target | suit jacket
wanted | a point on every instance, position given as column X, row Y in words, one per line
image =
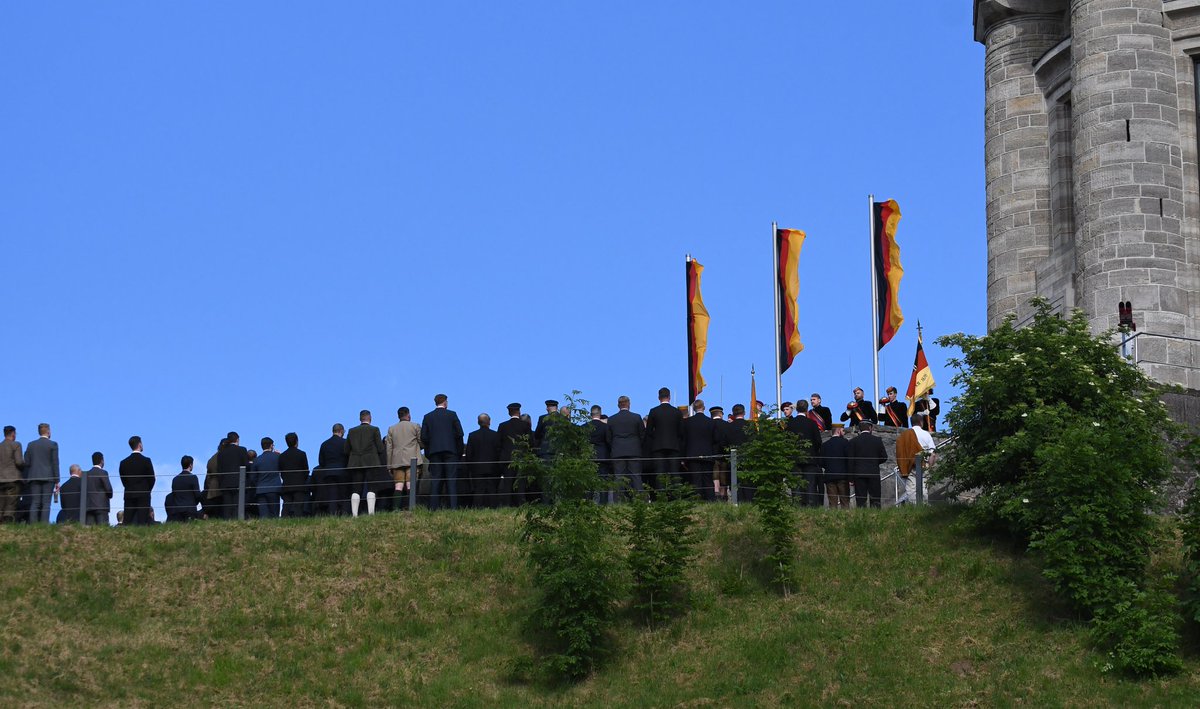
column 266, row 473
column 735, row 433
column 810, row 441
column 403, row 444
column 99, row 491
column 69, row 496
column 540, row 440
column 865, row 411
column 293, row 467
column 230, row 459
column 483, row 452
column 366, row 446
column 186, row 488
column 721, row 435
column 866, row 454
column 699, row 436
column 510, row 432
column 442, row 432
column 898, row 409
column 41, row 461
column 835, row 458
column 598, row 436
column 11, row 461
column 137, row 474
column 664, row 428
column 625, row 434
column 333, row 455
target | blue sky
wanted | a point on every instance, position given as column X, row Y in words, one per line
column 265, row 216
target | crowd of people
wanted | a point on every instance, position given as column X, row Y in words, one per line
column 364, row 470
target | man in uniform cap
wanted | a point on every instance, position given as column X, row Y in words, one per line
column 721, row 446
column 541, row 442
column 511, row 431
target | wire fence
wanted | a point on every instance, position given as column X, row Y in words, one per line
column 250, row 492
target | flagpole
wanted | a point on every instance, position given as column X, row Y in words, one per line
column 687, row 321
column 874, row 299
column 775, row 288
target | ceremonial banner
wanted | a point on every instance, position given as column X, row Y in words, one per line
column 922, row 377
column 888, row 271
column 697, row 329
column 787, row 286
column 753, row 398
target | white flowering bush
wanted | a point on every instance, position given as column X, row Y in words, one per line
column 1069, row 447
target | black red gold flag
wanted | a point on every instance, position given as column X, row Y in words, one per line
column 888, row 271
column 921, row 382
column 788, row 243
column 697, row 329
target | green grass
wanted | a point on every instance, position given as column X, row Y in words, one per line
column 894, row 608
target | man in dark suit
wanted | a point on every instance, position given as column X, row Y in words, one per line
column 820, row 415
column 41, row 474
column 859, row 410
column 721, row 446
column 541, row 439
column 699, row 447
column 99, row 492
column 68, row 495
column 835, row 459
column 293, row 472
column 137, row 476
column 598, row 437
column 812, row 488
column 442, row 439
column 514, row 429
column 866, row 455
column 735, row 437
column 267, row 482
column 625, row 434
column 483, row 468
column 332, row 459
column 893, row 413
column 366, row 452
column 230, row 460
column 664, row 430
column 185, row 492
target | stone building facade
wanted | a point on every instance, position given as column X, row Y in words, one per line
column 1092, row 167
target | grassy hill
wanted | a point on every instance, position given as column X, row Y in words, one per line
column 895, row 609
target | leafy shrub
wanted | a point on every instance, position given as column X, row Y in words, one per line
column 662, row 542
column 1069, row 446
column 767, row 460
column 574, row 556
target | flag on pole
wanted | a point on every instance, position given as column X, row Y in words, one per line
column 888, row 271
column 753, row 397
column 787, row 284
column 922, row 377
column 697, row 329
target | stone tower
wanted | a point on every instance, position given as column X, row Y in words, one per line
column 1093, row 193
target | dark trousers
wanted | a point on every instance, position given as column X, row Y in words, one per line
column 814, row 487
column 39, row 501
column 9, row 492
column 293, row 503
column 627, row 471
column 268, row 505
column 327, row 489
column 137, row 508
column 485, row 490
column 864, row 485
column 443, row 471
column 666, row 462
column 700, row 477
column 97, row 518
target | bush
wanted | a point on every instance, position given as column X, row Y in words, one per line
column 1069, row 446
column 767, row 460
column 662, row 542
column 573, row 554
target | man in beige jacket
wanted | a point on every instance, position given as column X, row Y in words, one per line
column 403, row 443
column 11, row 463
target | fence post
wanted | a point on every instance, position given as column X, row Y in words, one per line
column 919, row 471
column 733, row 483
column 83, row 498
column 241, row 511
column 412, row 485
